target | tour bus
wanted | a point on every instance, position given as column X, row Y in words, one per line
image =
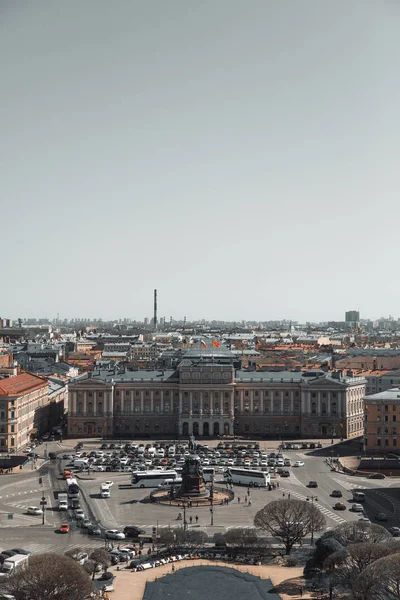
column 208, row 474
column 72, row 488
column 142, row 479
column 247, row 477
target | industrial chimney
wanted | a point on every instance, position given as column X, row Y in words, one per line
column 155, row 310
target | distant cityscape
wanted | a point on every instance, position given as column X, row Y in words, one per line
column 171, row 377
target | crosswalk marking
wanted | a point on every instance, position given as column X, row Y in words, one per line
column 325, row 511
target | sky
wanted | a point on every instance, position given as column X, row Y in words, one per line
column 239, row 156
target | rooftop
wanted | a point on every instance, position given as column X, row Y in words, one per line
column 21, row 384
column 389, row 396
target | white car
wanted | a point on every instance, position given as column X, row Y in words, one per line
column 298, row 463
column 357, row 508
column 79, row 514
column 34, row 510
column 114, row 534
column 109, row 483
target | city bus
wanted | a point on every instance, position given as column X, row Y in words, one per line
column 143, row 479
column 248, row 477
column 72, row 488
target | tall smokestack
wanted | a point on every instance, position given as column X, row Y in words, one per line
column 155, row 310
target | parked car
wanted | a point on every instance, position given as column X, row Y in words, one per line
column 79, row 514
column 312, row 484
column 336, row 494
column 340, row 506
column 114, row 534
column 376, row 476
column 395, row 531
column 21, row 551
column 64, row 528
column 357, row 508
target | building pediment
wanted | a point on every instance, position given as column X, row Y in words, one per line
column 87, row 383
column 325, row 383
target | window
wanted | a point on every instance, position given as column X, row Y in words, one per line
column 99, row 407
column 324, row 394
column 287, row 394
column 90, row 408
column 227, row 407
column 394, row 442
column 394, row 418
column 313, row 395
column 246, row 394
column 156, row 427
column 117, row 408
column 80, row 407
column 127, row 394
column 100, row 394
column 12, row 441
column 147, row 393
column 137, row 393
column 246, row 427
column 323, row 408
column 386, row 442
column 378, row 431
column 313, row 408
column 90, row 394
column 334, row 394
column 12, row 428
column 386, row 407
column 166, row 393
column 386, row 418
column 378, row 442
column 334, row 408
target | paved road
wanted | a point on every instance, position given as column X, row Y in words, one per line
column 125, row 506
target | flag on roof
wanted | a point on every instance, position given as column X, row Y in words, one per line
column 216, row 344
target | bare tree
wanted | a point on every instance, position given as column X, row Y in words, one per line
column 348, row 564
column 50, row 576
column 241, row 537
column 289, row 521
column 379, row 581
column 98, row 558
column 357, row 532
column 178, row 538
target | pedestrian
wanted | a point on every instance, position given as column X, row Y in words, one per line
column 238, row 499
column 249, row 501
column 173, row 568
column 248, row 491
column 283, row 494
column 301, row 592
column 245, row 499
column 277, row 483
column 288, row 495
column 197, row 518
column 190, row 519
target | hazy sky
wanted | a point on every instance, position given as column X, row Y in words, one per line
column 242, row 156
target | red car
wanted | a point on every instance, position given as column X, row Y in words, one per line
column 64, row 528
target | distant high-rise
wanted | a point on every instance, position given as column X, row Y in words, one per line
column 352, row 318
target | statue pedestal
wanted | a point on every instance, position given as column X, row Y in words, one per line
column 193, row 485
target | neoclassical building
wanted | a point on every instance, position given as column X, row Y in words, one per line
column 207, row 396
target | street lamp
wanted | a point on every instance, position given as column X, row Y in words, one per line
column 212, row 502
column 43, row 503
column 312, row 499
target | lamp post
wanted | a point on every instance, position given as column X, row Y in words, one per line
column 312, row 499
column 43, row 503
column 212, row 502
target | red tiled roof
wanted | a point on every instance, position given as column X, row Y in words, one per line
column 21, row 384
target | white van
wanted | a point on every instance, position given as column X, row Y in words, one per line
column 359, row 496
column 171, row 451
column 105, row 493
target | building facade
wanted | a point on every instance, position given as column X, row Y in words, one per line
column 382, row 422
column 24, row 410
column 207, row 396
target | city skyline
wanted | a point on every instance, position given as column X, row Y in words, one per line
column 240, row 158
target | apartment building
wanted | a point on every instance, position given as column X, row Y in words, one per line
column 207, row 396
column 382, row 421
column 24, row 402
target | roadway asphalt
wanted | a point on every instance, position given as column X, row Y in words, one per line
column 125, row 507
